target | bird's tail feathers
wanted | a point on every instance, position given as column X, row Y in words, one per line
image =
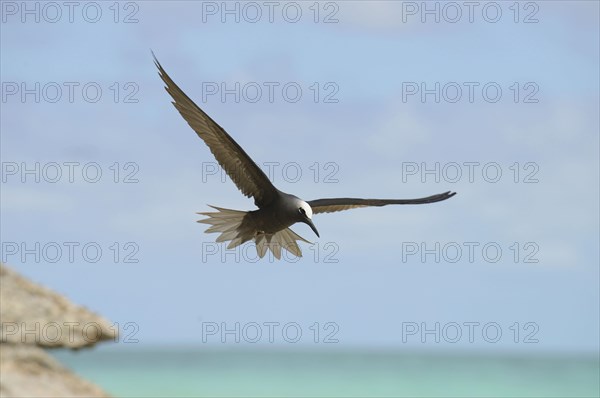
column 228, row 222
column 284, row 239
column 232, row 228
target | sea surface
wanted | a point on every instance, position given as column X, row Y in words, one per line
column 194, row 372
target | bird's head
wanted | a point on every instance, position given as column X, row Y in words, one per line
column 304, row 214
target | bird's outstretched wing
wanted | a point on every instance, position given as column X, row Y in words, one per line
column 246, row 175
column 339, row 204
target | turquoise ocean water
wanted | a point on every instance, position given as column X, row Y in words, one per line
column 237, row 373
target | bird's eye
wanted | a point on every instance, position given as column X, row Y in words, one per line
column 301, row 210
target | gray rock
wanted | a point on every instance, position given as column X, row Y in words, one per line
column 32, row 314
column 28, row 371
column 32, row 317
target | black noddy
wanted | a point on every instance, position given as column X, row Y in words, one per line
column 269, row 225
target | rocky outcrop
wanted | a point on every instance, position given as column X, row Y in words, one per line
column 28, row 371
column 31, row 318
column 32, row 314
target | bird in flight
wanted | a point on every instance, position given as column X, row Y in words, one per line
column 269, row 225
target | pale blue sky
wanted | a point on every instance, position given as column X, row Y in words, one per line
column 369, row 134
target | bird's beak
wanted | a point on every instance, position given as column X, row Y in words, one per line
column 312, row 226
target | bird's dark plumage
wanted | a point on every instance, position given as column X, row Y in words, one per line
column 242, row 170
column 340, row 204
column 277, row 211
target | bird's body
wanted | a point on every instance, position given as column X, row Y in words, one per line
column 280, row 214
column 269, row 225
